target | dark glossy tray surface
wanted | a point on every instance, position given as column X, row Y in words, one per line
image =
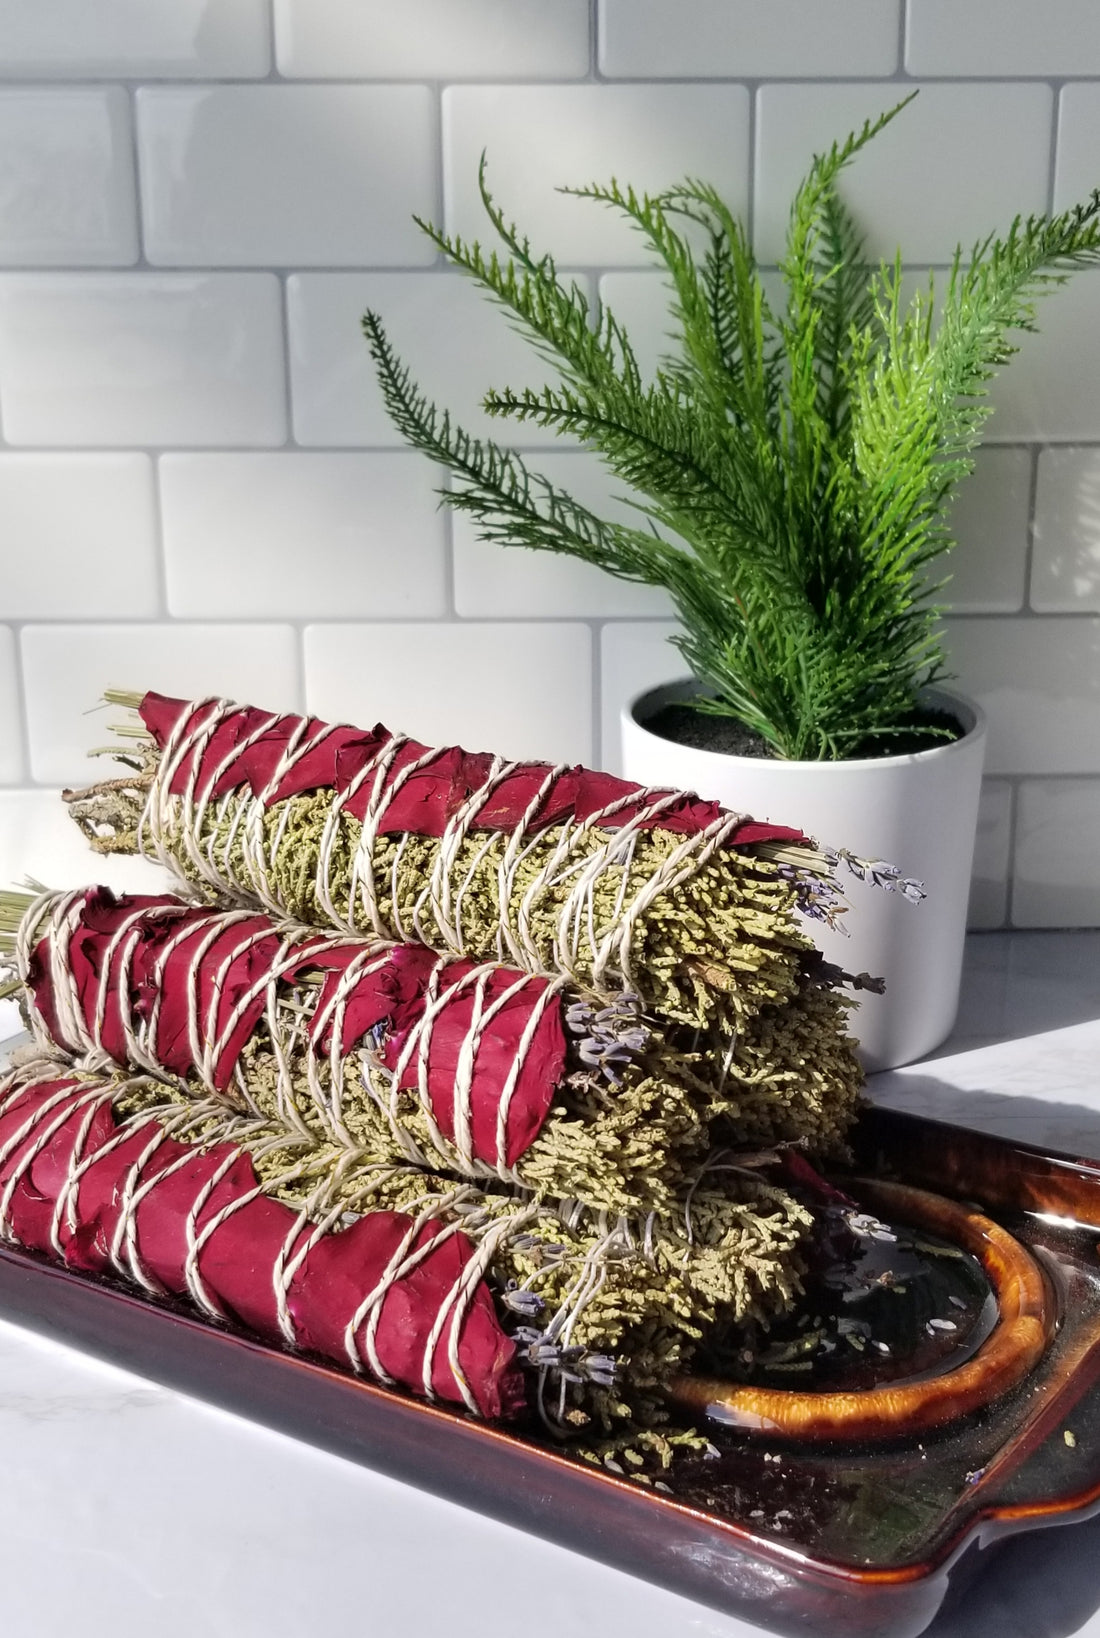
column 856, row 1540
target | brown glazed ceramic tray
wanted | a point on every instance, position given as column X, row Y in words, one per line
column 795, row 1535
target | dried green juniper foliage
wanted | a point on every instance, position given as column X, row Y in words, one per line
column 761, row 1037
column 721, row 954
column 728, row 929
column 620, row 1147
column 793, row 1075
column 723, row 941
column 624, row 1147
column 617, row 1303
column 644, row 1453
column 754, row 1031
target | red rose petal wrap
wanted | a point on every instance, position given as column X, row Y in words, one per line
column 249, row 746
column 181, row 971
column 50, row 1129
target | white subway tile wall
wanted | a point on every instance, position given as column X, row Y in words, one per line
column 1048, row 393
column 67, row 667
column 1078, row 131
column 633, row 655
column 110, row 359
column 455, row 343
column 82, row 539
column 288, row 536
column 523, row 690
column 1065, row 570
column 39, row 840
column 116, row 39
column 1057, row 863
column 67, row 178
column 11, row 749
column 432, row 39
column 987, row 38
column 992, row 847
column 201, row 489
column 958, row 162
column 516, row 582
column 540, row 138
column 1038, row 679
column 699, row 39
column 988, row 568
column 295, row 175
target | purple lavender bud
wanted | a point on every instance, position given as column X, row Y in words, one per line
column 525, row 1334
column 520, row 1301
column 600, row 1369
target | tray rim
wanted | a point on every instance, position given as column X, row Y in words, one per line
column 987, row 1521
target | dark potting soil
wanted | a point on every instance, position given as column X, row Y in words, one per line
column 685, row 724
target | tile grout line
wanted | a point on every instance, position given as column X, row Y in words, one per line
column 450, row 566
column 22, row 700
column 274, row 75
column 750, row 205
column 289, row 442
column 1032, row 522
column 301, row 668
column 599, row 749
column 160, row 544
column 140, row 265
column 450, row 599
column 902, row 72
column 437, row 268
column 298, row 448
column 1013, row 830
column 276, row 79
column 523, row 617
column 1056, row 86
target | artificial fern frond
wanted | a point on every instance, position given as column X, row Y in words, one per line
column 741, row 348
column 641, row 457
column 919, row 412
column 794, row 465
column 511, row 502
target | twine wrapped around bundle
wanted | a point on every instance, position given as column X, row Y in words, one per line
column 548, row 869
column 132, row 1176
column 469, row 1068
column 399, row 1297
column 546, row 1004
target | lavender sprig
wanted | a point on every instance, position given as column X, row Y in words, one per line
column 817, row 899
column 610, row 1037
column 877, row 873
column 521, row 1301
column 539, row 1351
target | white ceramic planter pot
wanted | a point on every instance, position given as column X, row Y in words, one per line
column 918, row 812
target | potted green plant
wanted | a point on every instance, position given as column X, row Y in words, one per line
column 793, row 467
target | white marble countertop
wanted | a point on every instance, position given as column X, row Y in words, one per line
column 128, row 1510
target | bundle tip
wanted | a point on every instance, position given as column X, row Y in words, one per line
column 123, row 696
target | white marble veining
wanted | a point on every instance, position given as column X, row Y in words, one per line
column 128, row 1509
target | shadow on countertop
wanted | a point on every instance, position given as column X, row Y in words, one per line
column 1024, row 983
column 1023, row 1060
column 1041, row 1584
column 1070, row 1127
